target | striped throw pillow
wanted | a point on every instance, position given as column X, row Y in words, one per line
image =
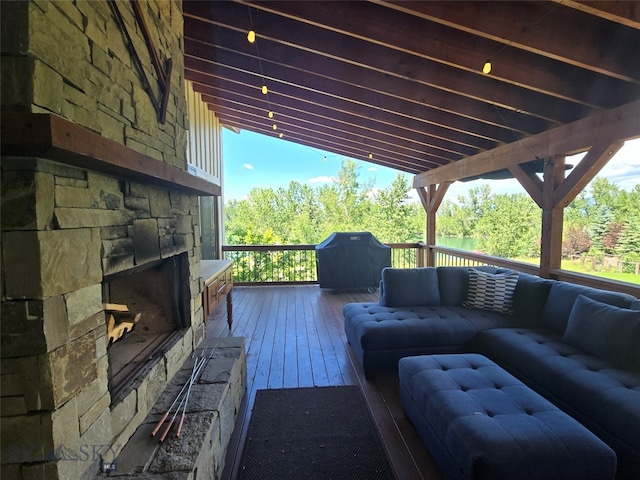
column 491, row 291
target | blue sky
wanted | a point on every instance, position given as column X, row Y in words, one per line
column 253, row 160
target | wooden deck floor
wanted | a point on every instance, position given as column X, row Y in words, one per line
column 295, row 338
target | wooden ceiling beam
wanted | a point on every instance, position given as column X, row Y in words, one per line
column 447, row 46
column 385, row 70
column 529, row 181
column 316, row 104
column 614, row 125
column 286, row 127
column 319, row 133
column 240, row 105
column 541, row 28
column 469, row 85
column 290, row 96
column 346, row 152
column 364, row 137
column 349, row 97
column 596, row 158
column 624, row 12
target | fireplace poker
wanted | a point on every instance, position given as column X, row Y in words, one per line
column 197, row 366
column 184, row 408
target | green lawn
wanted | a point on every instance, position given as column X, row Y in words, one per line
column 579, row 267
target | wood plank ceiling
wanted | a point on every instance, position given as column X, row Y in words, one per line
column 403, row 81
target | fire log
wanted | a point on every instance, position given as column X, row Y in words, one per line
column 117, row 330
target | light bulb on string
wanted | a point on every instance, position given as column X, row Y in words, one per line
column 264, row 89
column 370, row 155
column 275, row 127
column 270, row 114
column 281, row 135
column 251, row 36
column 486, row 69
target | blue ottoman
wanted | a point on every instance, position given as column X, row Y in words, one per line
column 480, row 422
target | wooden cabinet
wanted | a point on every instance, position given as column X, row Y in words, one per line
column 218, row 284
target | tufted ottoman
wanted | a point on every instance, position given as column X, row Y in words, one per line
column 480, row 422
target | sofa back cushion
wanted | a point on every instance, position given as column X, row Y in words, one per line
column 562, row 296
column 529, row 297
column 491, row 291
column 453, row 283
column 410, row 287
column 605, row 331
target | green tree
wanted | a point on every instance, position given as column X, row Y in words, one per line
column 453, row 220
column 509, row 226
column 344, row 203
column 392, row 214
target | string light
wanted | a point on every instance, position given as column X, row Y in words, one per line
column 370, row 155
column 251, row 37
column 486, row 69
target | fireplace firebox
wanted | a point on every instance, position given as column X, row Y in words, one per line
column 146, row 309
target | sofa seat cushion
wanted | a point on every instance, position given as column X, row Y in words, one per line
column 599, row 394
column 375, row 327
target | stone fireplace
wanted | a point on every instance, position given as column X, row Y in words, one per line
column 97, row 208
column 74, row 240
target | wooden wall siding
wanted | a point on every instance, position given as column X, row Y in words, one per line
column 204, row 150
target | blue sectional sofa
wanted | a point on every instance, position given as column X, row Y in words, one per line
column 579, row 347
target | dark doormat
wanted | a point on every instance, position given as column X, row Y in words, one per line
column 313, row 433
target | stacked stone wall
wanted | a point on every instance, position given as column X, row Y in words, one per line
column 63, row 230
column 71, row 58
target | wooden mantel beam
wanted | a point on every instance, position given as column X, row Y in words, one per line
column 618, row 124
column 49, row 136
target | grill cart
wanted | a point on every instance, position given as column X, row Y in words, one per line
column 351, row 260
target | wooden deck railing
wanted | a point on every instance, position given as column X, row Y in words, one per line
column 451, row 256
column 296, row 264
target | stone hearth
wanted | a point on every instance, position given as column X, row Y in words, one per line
column 213, row 405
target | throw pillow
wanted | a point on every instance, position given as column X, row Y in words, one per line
column 562, row 297
column 491, row 291
column 605, row 331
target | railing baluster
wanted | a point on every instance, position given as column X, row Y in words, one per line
column 286, row 264
column 272, row 264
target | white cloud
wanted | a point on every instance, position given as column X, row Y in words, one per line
column 371, row 194
column 372, row 169
column 248, row 166
column 413, row 195
column 624, row 168
column 322, row 179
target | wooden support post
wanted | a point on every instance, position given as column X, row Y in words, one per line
column 552, row 217
column 431, row 198
column 431, row 230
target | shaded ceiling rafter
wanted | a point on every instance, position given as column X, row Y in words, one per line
column 401, row 80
